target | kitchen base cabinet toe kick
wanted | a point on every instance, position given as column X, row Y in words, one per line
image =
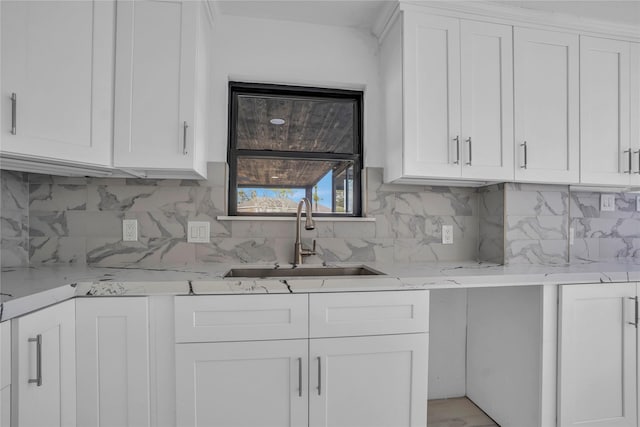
column 344, row 359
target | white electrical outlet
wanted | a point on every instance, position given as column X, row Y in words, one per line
column 447, row 234
column 572, row 235
column 130, row 230
column 198, row 231
column 638, row 204
column 607, row 202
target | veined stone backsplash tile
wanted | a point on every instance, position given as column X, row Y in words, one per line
column 48, row 219
column 541, row 252
column 536, row 227
column 14, row 219
column 491, row 233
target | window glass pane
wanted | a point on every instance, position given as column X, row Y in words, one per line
column 286, row 123
column 277, row 185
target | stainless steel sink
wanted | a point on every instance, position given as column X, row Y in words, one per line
column 360, row 270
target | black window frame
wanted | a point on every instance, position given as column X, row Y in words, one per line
column 233, row 153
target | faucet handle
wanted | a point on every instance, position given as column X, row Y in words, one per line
column 313, row 250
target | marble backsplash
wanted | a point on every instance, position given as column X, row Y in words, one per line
column 604, row 235
column 14, row 218
column 79, row 220
column 47, row 219
column 536, row 227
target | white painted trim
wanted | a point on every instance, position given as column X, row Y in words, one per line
column 518, row 16
column 292, row 219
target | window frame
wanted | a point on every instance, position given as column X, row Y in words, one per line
column 233, row 153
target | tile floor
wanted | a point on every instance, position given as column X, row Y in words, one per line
column 456, row 412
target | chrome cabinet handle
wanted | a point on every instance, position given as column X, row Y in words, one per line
column 184, row 138
column 38, row 379
column 636, row 312
column 319, row 376
column 470, row 151
column 629, row 158
column 299, row 376
column 525, row 155
column 457, row 140
column 638, row 153
column 14, row 107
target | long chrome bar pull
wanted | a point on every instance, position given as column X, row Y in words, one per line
column 185, row 126
column 299, row 376
column 636, row 312
column 457, row 140
column 38, row 380
column 14, row 108
column 319, row 376
column 629, row 153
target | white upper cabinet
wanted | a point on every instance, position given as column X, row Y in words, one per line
column 486, row 80
column 606, row 155
column 57, row 81
column 449, row 102
column 634, row 84
column 546, row 106
column 161, row 94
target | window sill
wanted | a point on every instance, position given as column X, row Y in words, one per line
column 293, row 219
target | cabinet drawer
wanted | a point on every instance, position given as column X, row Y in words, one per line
column 368, row 313
column 240, row 317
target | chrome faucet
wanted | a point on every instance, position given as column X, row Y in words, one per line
column 299, row 251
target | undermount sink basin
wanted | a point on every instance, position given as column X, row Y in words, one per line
column 302, row 272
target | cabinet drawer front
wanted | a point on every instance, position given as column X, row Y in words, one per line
column 368, row 313
column 240, row 317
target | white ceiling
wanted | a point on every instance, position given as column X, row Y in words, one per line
column 363, row 13
column 344, row 13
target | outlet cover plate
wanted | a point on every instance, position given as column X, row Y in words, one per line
column 607, row 202
column 447, row 234
column 198, row 231
column 130, row 230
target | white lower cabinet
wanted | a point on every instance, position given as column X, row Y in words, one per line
column 319, row 376
column 44, row 367
column 5, row 374
column 232, row 384
column 368, row 381
column 113, row 361
column 597, row 359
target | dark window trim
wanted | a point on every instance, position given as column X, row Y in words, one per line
column 242, row 88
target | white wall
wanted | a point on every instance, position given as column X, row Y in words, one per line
column 447, row 343
column 256, row 50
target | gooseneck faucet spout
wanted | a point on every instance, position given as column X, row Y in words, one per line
column 299, row 251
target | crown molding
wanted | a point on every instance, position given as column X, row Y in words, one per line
column 509, row 15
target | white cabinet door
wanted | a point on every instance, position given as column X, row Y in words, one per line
column 546, row 106
column 5, row 374
column 113, row 361
column 597, row 356
column 44, row 367
column 634, row 85
column 368, row 381
column 487, row 100
column 258, row 383
column 57, row 58
column 155, row 105
column 432, row 145
column 605, row 150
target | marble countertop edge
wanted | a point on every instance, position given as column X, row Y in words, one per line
column 27, row 289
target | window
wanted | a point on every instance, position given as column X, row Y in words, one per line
column 288, row 142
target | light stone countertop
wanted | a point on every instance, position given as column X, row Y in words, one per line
column 29, row 288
